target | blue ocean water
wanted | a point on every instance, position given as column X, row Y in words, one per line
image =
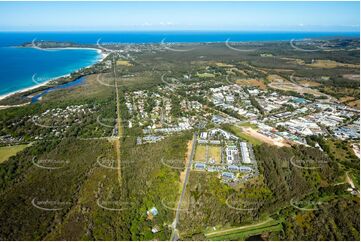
column 16, row 38
column 18, row 65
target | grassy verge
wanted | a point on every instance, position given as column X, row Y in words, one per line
column 245, row 231
column 249, row 124
column 238, row 132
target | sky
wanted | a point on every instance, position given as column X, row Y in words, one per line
column 216, row 16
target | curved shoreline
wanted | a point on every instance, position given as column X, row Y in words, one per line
column 101, row 57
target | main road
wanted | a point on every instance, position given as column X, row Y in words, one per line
column 119, row 125
column 175, row 234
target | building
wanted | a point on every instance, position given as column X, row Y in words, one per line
column 151, row 213
column 204, row 135
column 215, row 142
column 200, row 166
column 232, row 156
column 233, row 168
column 245, row 153
column 245, row 169
column 228, row 175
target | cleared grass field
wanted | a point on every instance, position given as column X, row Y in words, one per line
column 123, row 63
column 200, row 154
column 7, row 151
column 205, row 75
column 238, row 132
column 214, row 152
column 249, row 124
column 331, row 64
column 252, row 83
column 244, row 232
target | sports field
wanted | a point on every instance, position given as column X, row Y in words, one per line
column 208, row 151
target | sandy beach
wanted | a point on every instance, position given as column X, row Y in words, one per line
column 99, row 51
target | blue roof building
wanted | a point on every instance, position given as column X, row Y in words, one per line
column 228, row 175
column 153, row 211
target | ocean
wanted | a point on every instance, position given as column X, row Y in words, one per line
column 26, row 67
column 19, row 65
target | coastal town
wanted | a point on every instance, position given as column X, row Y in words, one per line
column 180, row 120
column 214, row 106
column 139, row 117
column 265, row 115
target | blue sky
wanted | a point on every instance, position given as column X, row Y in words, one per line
column 238, row 16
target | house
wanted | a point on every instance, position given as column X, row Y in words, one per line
column 245, row 169
column 155, row 229
column 200, row 166
column 233, row 168
column 253, row 92
column 228, row 175
column 245, row 153
column 152, row 213
column 204, row 135
column 229, row 99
